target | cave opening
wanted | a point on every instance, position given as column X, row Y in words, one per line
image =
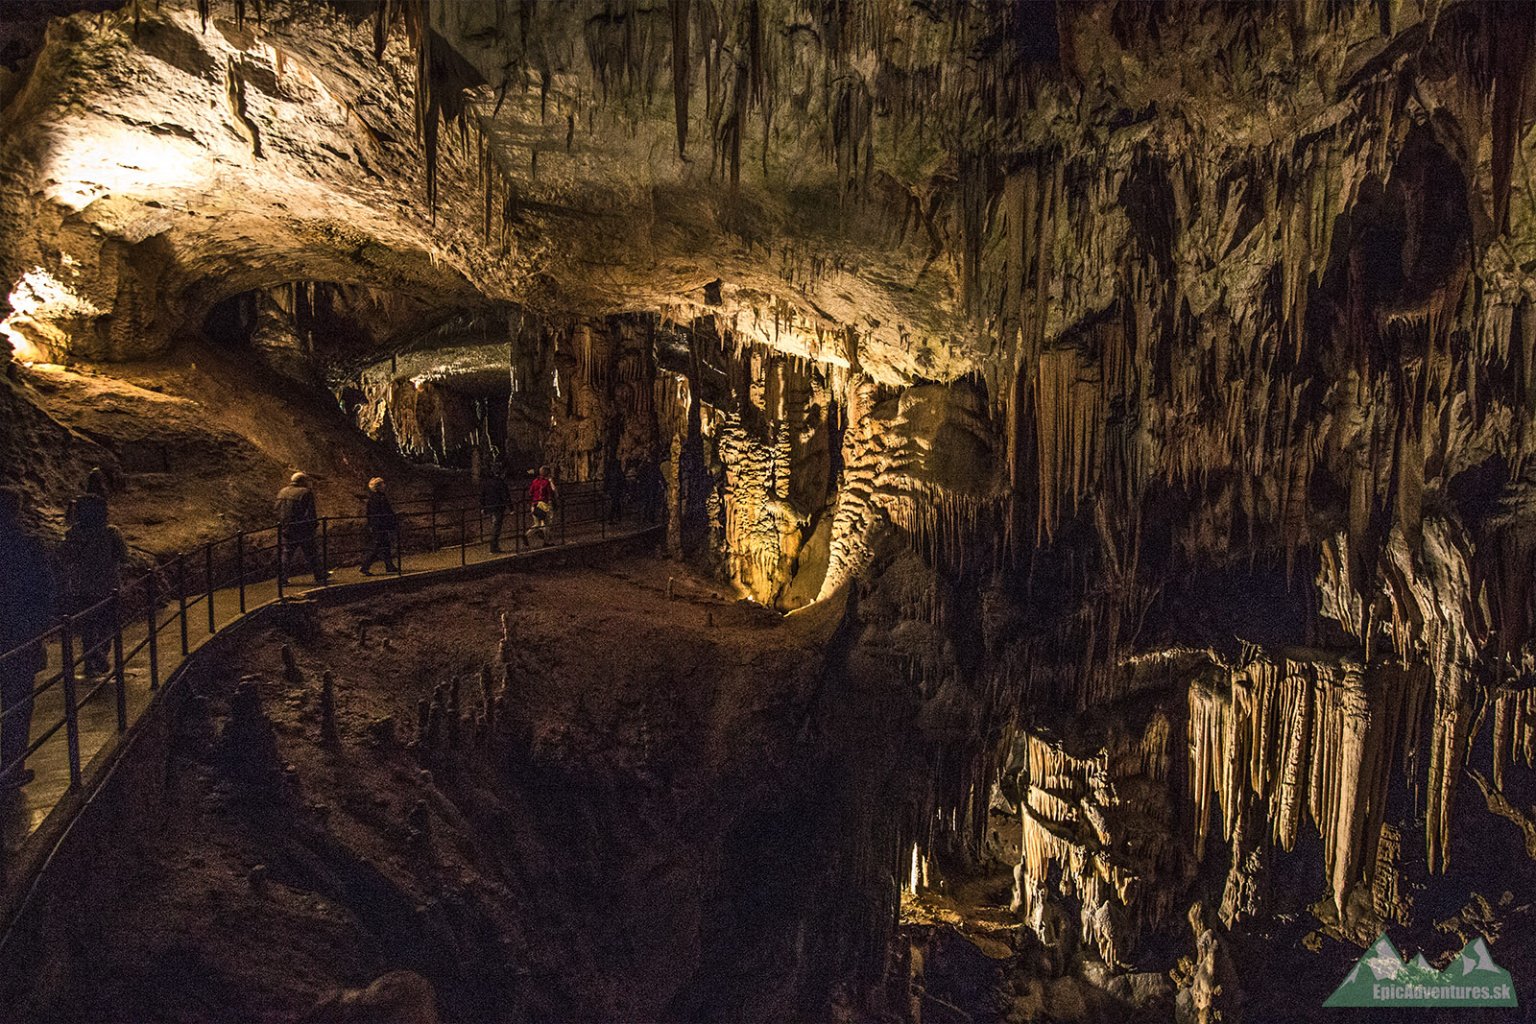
column 763, row 510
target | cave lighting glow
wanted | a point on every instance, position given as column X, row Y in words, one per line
column 23, row 350
column 85, row 169
column 39, row 292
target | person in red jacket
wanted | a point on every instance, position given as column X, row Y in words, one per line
column 541, row 501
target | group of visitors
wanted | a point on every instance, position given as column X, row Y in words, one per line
column 496, row 498
column 298, row 519
column 87, row 572
column 298, row 525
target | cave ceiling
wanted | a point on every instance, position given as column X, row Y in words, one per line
column 853, row 183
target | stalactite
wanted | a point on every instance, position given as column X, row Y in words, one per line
column 1256, row 731
column 234, row 93
column 682, row 65
column 1068, row 414
column 1511, row 47
column 442, row 76
column 1075, row 821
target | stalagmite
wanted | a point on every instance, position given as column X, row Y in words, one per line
column 328, row 731
column 291, row 670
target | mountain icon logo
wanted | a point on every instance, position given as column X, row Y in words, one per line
column 1382, row 978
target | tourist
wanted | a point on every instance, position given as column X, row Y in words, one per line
column 613, row 488
column 541, row 498
column 26, row 610
column 298, row 519
column 92, row 556
column 495, row 496
column 383, row 528
column 93, row 499
column 653, row 489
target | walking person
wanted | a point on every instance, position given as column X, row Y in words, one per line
column 298, row 520
column 653, row 490
column 613, row 488
column 26, row 610
column 92, row 502
column 383, row 528
column 495, row 496
column 541, row 502
column 92, row 554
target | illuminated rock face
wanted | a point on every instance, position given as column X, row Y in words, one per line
column 135, row 196
column 1160, row 384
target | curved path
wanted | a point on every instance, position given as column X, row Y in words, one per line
column 102, row 729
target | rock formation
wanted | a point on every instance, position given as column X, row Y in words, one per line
column 1156, row 383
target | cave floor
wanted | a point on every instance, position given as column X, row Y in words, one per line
column 24, row 811
column 581, row 860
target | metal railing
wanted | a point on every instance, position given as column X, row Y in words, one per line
column 95, row 649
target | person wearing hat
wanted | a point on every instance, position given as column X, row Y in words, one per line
column 383, row 526
column 298, row 520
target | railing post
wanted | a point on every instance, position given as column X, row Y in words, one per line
column 282, row 568
column 240, row 567
column 463, row 536
column 213, row 623
column 71, row 718
column 561, row 511
column 181, row 598
column 325, row 550
column 152, row 597
column 117, row 660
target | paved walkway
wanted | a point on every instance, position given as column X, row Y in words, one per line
column 24, row 811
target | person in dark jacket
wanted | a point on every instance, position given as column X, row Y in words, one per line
column 383, row 528
column 653, row 490
column 495, row 496
column 92, row 556
column 26, row 610
column 92, row 502
column 298, row 520
column 614, row 485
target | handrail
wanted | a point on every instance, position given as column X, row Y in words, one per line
column 89, row 646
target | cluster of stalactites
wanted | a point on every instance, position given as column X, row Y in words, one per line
column 940, row 523
column 1077, row 831
column 1417, row 605
column 1303, row 738
column 1514, row 731
column 1185, row 361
